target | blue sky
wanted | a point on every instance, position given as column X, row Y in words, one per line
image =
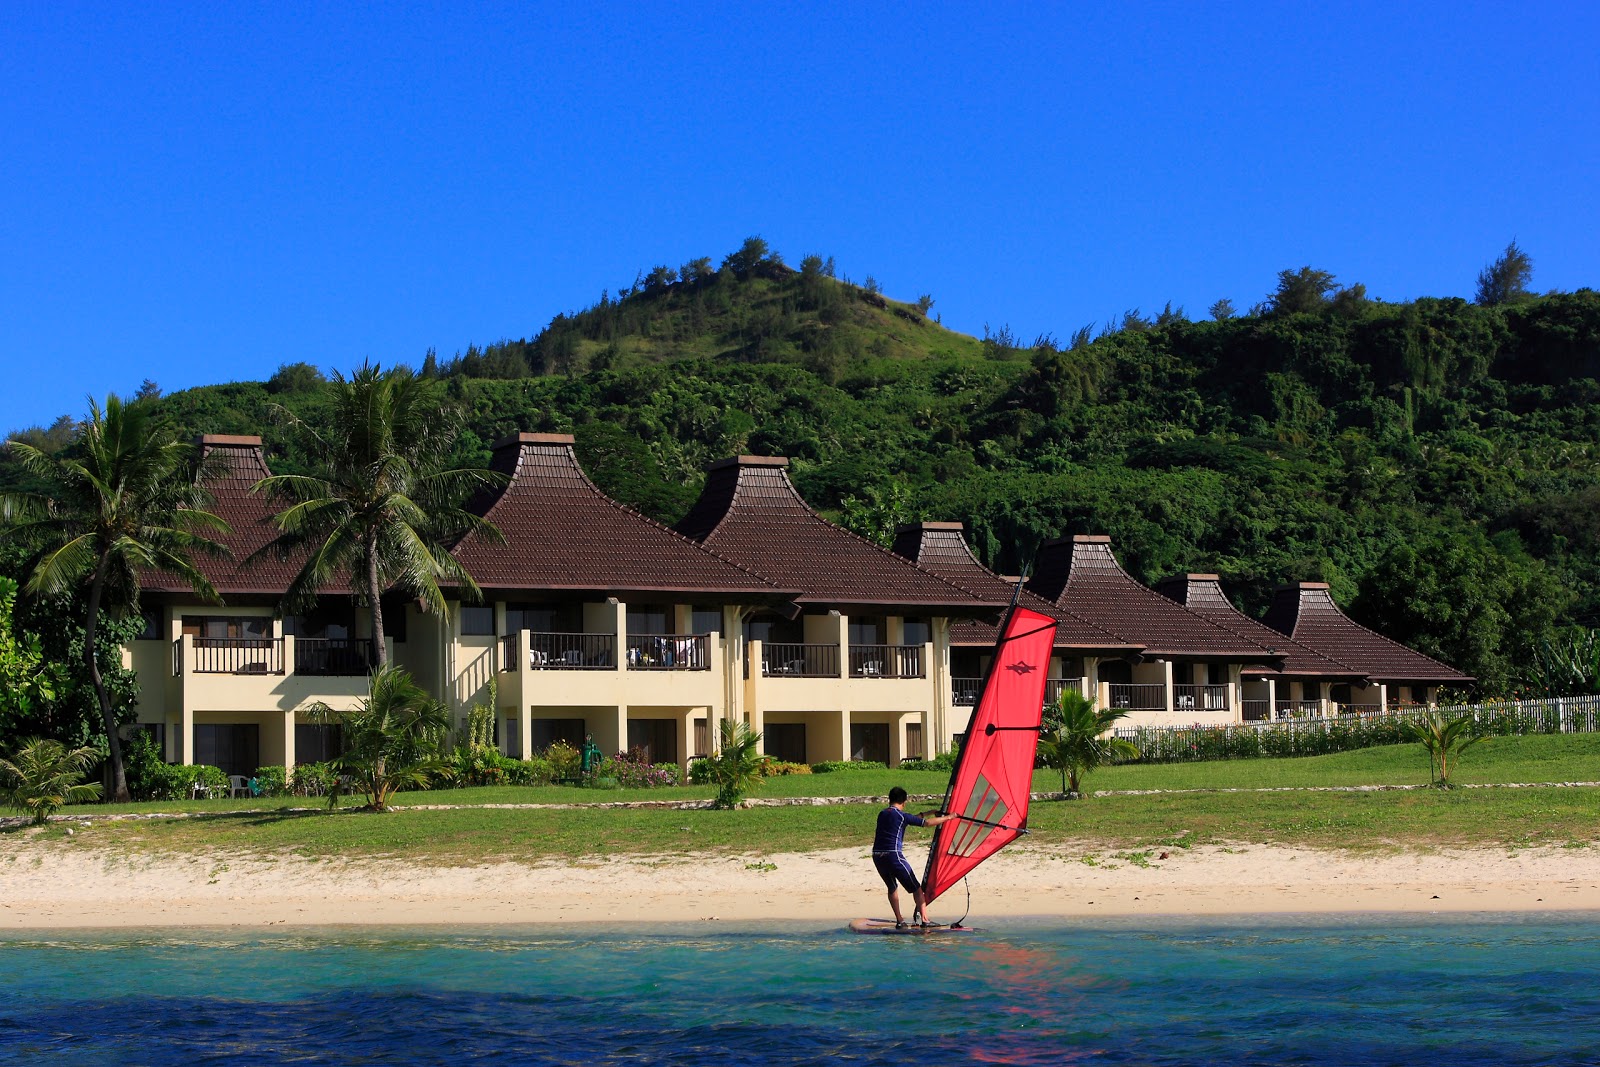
column 204, row 192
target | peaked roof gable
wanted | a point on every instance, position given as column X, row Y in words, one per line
column 749, row 511
column 1083, row 576
column 562, row 533
column 942, row 548
column 1203, row 595
column 230, row 467
column 1307, row 613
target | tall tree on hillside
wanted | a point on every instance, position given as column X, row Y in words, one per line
column 1505, row 281
column 383, row 505
column 1303, row 290
column 124, row 504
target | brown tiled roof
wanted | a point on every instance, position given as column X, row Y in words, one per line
column 1082, row 576
column 562, row 533
column 230, row 467
column 1307, row 613
column 750, row 512
column 941, row 548
column 1203, row 595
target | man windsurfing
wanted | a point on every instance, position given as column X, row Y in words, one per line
column 891, row 861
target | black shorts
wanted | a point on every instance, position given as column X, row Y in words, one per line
column 892, row 868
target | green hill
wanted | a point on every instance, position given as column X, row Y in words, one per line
column 1435, row 460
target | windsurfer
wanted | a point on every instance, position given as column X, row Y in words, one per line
column 891, row 861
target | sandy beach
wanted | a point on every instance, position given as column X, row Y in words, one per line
column 45, row 886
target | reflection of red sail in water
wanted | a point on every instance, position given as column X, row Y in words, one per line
column 994, row 773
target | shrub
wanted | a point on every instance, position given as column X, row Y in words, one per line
column 777, row 768
column 144, row 767
column 833, row 765
column 633, row 770
column 944, row 761
column 271, row 781
column 700, row 771
column 313, row 780
column 566, row 762
column 44, row 776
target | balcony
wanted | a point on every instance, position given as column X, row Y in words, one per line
column 964, row 691
column 799, row 661
column 669, row 652
column 886, row 661
column 343, row 657
column 1200, row 698
column 1138, row 696
column 230, row 655
column 560, row 651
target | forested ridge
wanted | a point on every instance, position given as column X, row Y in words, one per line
column 1434, row 460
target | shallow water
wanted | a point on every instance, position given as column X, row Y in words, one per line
column 1484, row 990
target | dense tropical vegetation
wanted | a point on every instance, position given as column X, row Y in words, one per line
column 1434, row 460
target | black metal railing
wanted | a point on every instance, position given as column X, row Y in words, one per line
column 964, row 691
column 1054, row 687
column 572, row 652
column 351, row 657
column 233, row 655
column 1138, row 696
column 1299, row 709
column 1200, row 698
column 669, row 652
column 1255, row 710
column 800, row 661
column 886, row 661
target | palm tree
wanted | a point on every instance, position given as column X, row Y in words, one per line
column 384, row 504
column 393, row 739
column 735, row 767
column 43, row 777
column 123, row 503
column 1074, row 740
column 1445, row 740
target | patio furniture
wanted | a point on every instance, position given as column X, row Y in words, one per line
column 537, row 659
column 238, row 785
column 872, row 668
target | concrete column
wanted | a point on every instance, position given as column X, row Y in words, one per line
column 936, row 733
column 620, row 628
column 288, row 736
column 843, row 733
column 288, row 655
column 1171, row 705
column 612, row 735
column 524, row 668
column 686, row 738
column 843, row 640
column 499, row 626
column 752, row 713
column 1272, row 697
column 186, row 733
column 733, row 681
column 1383, row 697
column 1324, row 697
column 1236, row 691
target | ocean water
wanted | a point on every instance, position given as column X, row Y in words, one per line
column 1478, row 990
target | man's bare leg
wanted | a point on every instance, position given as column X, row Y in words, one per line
column 920, row 912
column 894, row 902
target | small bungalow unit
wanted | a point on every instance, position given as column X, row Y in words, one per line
column 1188, row 670
column 595, row 619
column 942, row 548
column 863, row 671
column 1306, row 681
column 227, row 684
column 1389, row 673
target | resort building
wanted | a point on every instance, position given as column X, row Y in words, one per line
column 863, row 672
column 596, row 621
column 1080, row 645
column 1189, row 670
column 1307, row 682
column 228, row 684
column 1390, row 673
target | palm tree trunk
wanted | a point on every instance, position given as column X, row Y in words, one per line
column 119, row 774
column 380, row 648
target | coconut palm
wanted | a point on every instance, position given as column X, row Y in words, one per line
column 393, row 739
column 1074, row 739
column 735, row 767
column 1445, row 740
column 43, row 777
column 384, row 503
column 123, row 502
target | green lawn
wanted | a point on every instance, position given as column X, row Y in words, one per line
column 1511, row 818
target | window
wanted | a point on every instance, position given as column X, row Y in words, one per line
column 786, row 741
column 913, row 740
column 867, row 631
column 703, row 620
column 153, row 625
column 649, row 619
column 477, row 620
column 317, row 742
column 917, row 632
column 544, row 618
column 546, row 732
column 336, row 623
column 775, row 628
column 221, row 627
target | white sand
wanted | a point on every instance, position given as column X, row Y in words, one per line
column 46, row 886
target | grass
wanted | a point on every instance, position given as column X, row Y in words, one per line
column 1511, row 818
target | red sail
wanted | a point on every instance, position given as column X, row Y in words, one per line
column 994, row 774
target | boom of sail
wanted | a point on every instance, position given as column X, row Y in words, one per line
column 993, row 776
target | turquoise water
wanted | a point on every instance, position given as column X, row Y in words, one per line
column 1480, row 991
